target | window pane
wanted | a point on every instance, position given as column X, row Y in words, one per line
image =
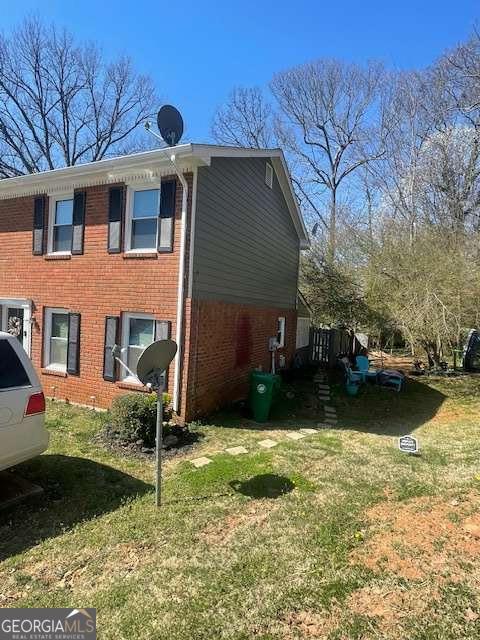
column 62, row 238
column 58, row 351
column 12, row 373
column 59, row 325
column 145, row 203
column 144, row 234
column 134, row 354
column 141, row 332
column 64, row 212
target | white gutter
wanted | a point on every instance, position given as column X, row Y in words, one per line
column 180, row 287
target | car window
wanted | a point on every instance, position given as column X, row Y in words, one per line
column 12, row 372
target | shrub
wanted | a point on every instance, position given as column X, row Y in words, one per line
column 134, row 417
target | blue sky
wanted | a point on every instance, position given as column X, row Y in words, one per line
column 196, row 51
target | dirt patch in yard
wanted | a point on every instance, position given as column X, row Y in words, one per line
column 71, row 573
column 177, row 441
column 255, row 515
column 308, row 624
column 390, row 606
column 423, row 537
column 429, row 543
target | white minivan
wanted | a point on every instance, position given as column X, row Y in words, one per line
column 22, row 405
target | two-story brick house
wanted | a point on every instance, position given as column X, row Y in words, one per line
column 204, row 249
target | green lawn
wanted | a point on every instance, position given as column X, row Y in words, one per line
column 338, row 535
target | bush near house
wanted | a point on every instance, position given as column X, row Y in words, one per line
column 134, row 416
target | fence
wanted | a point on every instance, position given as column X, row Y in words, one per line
column 327, row 344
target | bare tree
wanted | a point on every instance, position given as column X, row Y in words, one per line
column 61, row 104
column 459, row 71
column 454, row 164
column 245, row 120
column 327, row 110
column 410, row 124
column 430, row 171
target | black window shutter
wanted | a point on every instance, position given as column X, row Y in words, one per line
column 79, row 201
column 115, row 215
column 73, row 351
column 166, row 218
column 38, row 225
column 111, row 338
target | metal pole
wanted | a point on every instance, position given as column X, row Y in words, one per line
column 159, row 440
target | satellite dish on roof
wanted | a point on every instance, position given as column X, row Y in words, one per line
column 155, row 360
column 170, row 124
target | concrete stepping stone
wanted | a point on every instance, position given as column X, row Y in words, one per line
column 331, row 420
column 236, row 451
column 324, row 386
column 329, row 408
column 308, row 431
column 268, row 444
column 200, row 462
column 295, row 435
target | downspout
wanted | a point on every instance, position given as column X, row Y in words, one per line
column 180, row 287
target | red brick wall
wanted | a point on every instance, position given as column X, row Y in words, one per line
column 226, row 342
column 95, row 284
column 222, row 342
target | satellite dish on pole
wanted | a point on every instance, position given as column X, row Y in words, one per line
column 155, row 360
column 151, row 366
column 170, row 124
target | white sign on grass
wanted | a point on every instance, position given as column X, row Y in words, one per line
column 409, row 444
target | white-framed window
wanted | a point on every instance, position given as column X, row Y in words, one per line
column 55, row 339
column 281, row 332
column 269, row 175
column 60, row 223
column 142, row 215
column 138, row 331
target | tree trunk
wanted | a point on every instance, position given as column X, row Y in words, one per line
column 332, row 228
column 433, row 355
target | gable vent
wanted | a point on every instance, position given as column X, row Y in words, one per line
column 269, row 175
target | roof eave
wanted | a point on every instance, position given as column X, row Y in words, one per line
column 88, row 174
column 150, row 164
